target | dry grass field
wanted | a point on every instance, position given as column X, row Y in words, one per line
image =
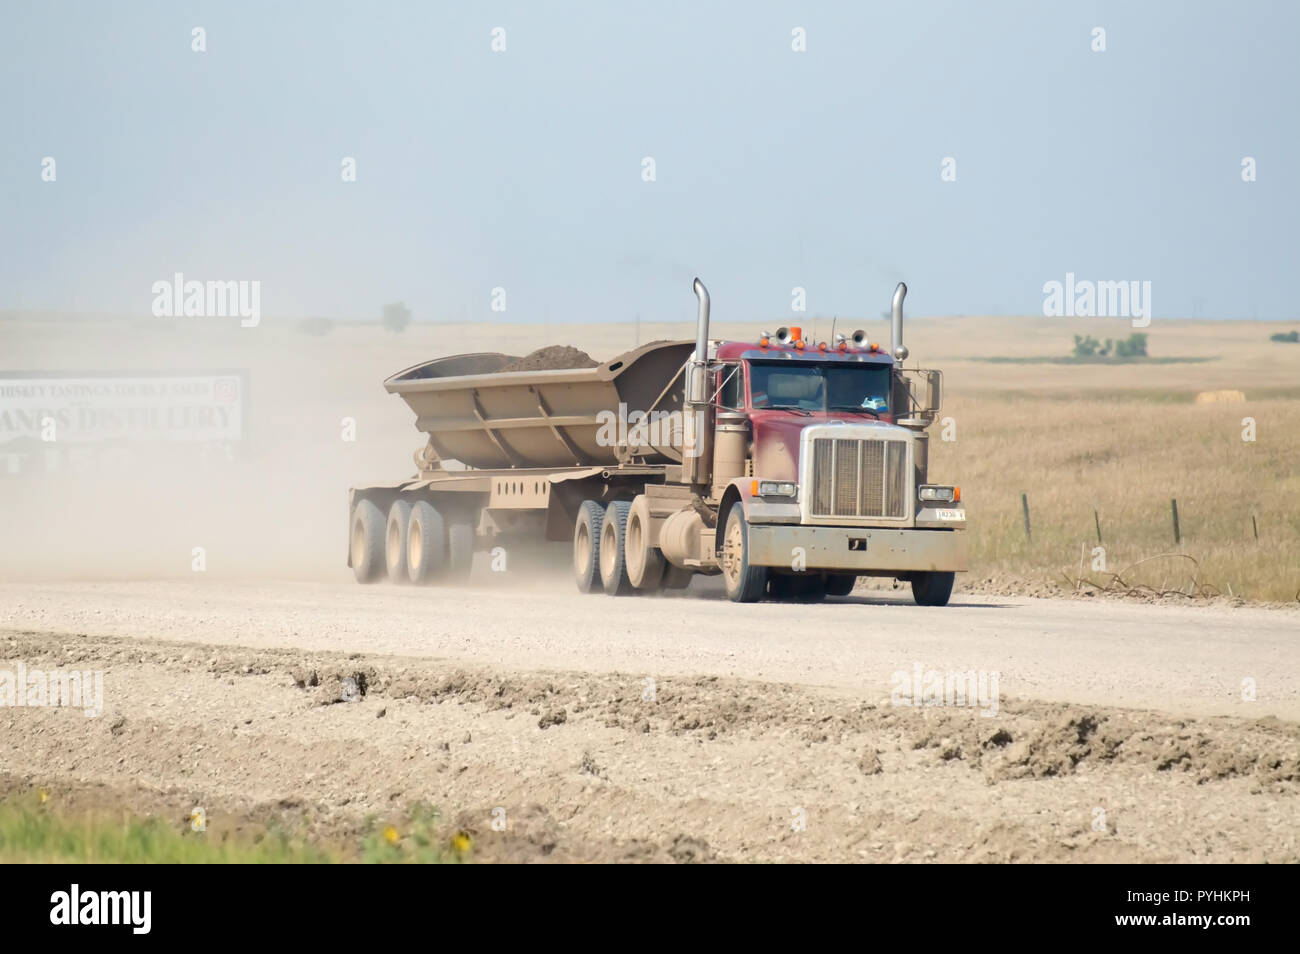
column 1127, row 458
column 1126, row 439
column 1121, row 438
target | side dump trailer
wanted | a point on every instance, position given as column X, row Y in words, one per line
column 484, row 418
column 789, row 466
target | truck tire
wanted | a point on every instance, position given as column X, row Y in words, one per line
column 840, row 584
column 460, row 549
column 932, row 588
column 645, row 564
column 399, row 516
column 426, row 543
column 613, row 559
column 745, row 583
column 586, row 546
column 366, row 541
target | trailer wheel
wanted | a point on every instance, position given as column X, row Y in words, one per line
column 613, row 559
column 745, row 583
column 645, row 564
column 366, row 545
column 932, row 588
column 840, row 584
column 426, row 543
column 586, row 546
column 460, row 549
column 399, row 516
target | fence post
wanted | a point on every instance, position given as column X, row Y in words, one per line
column 1255, row 525
column 1178, row 537
column 1097, row 520
column 1024, row 504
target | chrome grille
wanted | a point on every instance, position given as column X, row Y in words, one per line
column 857, row 478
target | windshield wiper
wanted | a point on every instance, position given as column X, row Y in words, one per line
column 855, row 409
column 790, row 407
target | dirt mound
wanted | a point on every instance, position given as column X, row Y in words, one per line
column 567, row 766
column 553, row 358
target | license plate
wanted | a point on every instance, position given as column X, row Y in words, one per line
column 950, row 514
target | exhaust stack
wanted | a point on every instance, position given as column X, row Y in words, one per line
column 702, row 326
column 695, row 446
column 896, row 346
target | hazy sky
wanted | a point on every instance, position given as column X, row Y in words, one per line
column 523, row 169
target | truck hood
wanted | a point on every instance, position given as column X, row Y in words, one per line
column 777, row 438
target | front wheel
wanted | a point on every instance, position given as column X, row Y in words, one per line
column 745, row 582
column 932, row 588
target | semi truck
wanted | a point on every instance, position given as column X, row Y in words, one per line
column 791, row 467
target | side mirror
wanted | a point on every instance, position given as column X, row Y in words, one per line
column 918, row 395
column 933, row 391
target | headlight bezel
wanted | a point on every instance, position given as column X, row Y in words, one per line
column 938, row 493
column 784, row 489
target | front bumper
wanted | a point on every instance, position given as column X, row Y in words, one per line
column 859, row 549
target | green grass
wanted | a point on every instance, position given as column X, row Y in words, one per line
column 33, row 829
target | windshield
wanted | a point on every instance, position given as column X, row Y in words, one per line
column 819, row 387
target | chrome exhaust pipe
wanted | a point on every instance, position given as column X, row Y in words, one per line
column 696, row 386
column 702, row 326
column 696, row 446
column 896, row 346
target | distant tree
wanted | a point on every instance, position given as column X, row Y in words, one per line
column 1135, row 346
column 1292, row 336
column 396, row 316
column 1085, row 346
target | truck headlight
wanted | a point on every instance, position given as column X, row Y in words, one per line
column 778, row 488
column 939, row 493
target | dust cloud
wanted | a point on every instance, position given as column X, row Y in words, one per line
column 316, row 420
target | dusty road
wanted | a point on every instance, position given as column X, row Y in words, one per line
column 1179, row 659
column 674, row 728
